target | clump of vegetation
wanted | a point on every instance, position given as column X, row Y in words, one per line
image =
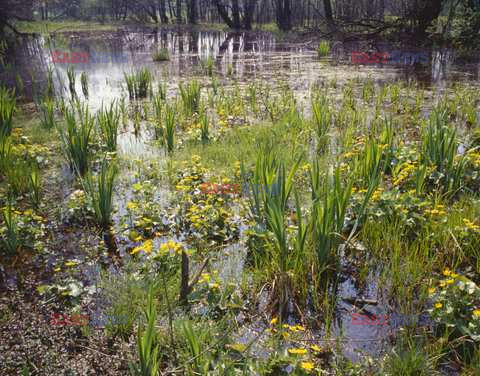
column 76, row 138
column 208, row 65
column 323, row 48
column 71, row 80
column 11, row 238
column 109, row 120
column 7, row 109
column 190, row 94
column 138, row 83
column 48, row 113
column 161, row 54
column 100, row 193
column 84, row 82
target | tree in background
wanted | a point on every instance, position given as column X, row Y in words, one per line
column 284, row 14
column 235, row 19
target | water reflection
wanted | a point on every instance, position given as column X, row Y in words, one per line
column 246, row 55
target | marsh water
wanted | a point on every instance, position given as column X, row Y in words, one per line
column 240, row 58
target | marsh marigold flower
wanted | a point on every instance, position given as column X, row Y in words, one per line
column 308, row 366
column 297, row 351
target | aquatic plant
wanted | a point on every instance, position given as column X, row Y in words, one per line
column 76, row 138
column 439, row 148
column 322, row 120
column 162, row 90
column 7, row 109
column 204, row 126
column 71, row 80
column 161, row 54
column 147, row 343
column 158, row 103
column 130, row 80
column 16, row 170
column 50, row 91
column 323, row 48
column 19, row 84
column 11, row 241
column 108, row 120
column 144, row 81
column 328, row 216
column 368, row 90
column 48, row 113
column 170, row 126
column 84, row 82
column 138, row 83
column 369, row 164
column 208, row 65
column 190, row 94
column 100, row 193
column 35, row 185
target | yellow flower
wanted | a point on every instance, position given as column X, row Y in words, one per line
column 70, row 263
column 308, row 366
column 205, row 277
column 438, row 305
column 476, row 313
column 450, row 281
column 274, row 321
column 431, row 291
column 214, row 285
column 285, row 335
column 132, row 205
column 299, row 351
column 471, row 225
column 316, row 348
column 164, row 247
column 447, row 272
column 297, row 328
column 147, row 247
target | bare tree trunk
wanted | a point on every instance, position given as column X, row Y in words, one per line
column 236, row 14
column 192, row 11
column 163, row 11
column 248, row 14
column 179, row 11
column 222, row 11
column 327, row 6
column 284, row 15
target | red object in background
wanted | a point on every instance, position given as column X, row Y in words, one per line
column 364, row 58
column 212, row 189
column 73, row 58
column 357, row 319
column 59, row 320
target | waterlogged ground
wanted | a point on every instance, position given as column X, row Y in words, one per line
column 257, row 90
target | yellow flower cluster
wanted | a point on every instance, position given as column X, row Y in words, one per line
column 171, row 245
column 147, row 247
column 294, row 328
column 238, row 169
column 474, row 158
column 405, row 170
column 211, row 281
column 298, row 351
column 377, row 194
column 437, row 211
column 470, row 225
